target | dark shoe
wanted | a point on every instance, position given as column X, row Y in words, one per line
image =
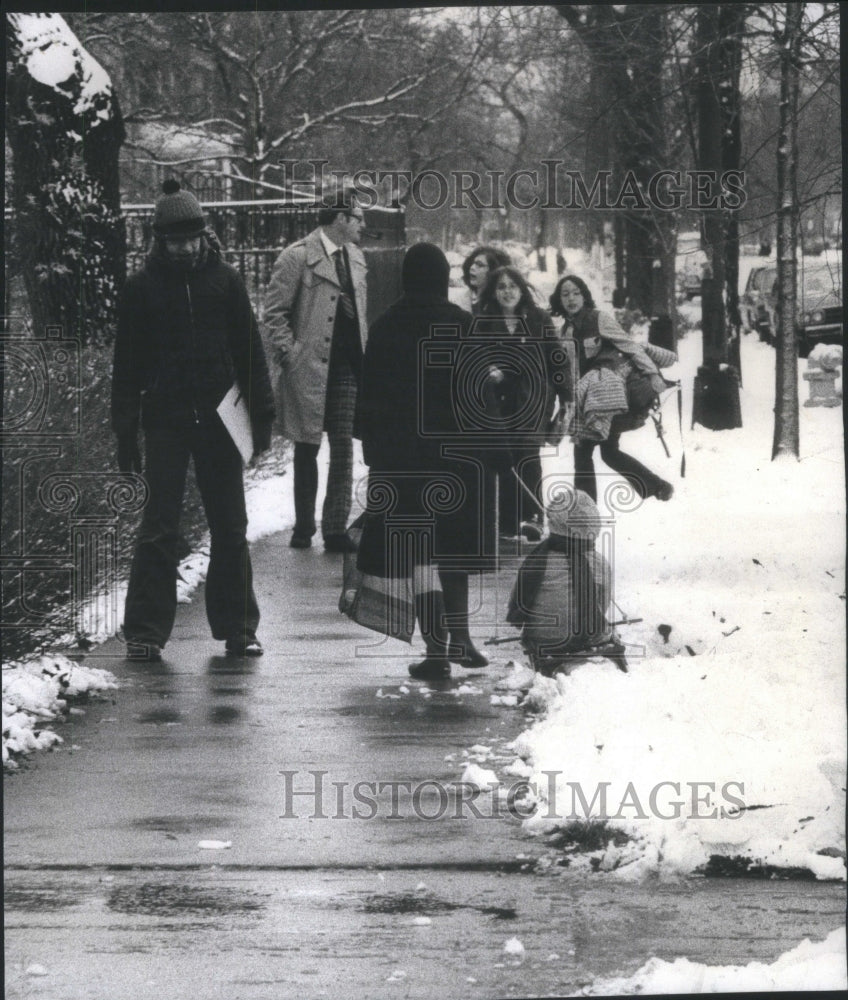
column 433, row 668
column 664, row 491
column 470, row 657
column 244, row 647
column 339, row 543
column 147, row 651
column 300, row 541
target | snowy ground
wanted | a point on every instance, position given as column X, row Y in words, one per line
column 746, row 567
column 819, row 966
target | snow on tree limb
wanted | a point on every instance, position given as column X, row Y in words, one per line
column 54, row 58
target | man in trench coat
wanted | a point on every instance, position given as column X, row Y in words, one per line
column 316, row 326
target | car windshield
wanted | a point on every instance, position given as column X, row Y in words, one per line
column 821, row 281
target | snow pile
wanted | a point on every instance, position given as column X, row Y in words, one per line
column 55, row 58
column 809, row 966
column 726, row 740
column 37, row 692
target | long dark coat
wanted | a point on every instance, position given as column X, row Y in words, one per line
column 426, row 469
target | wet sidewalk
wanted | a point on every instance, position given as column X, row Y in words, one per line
column 109, row 892
column 268, row 753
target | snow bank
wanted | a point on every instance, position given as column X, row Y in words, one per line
column 36, row 692
column 809, row 966
column 727, row 741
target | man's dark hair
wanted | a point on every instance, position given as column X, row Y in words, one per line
column 336, row 201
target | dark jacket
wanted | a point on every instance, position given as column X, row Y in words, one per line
column 407, row 412
column 561, row 595
column 183, row 338
column 536, row 372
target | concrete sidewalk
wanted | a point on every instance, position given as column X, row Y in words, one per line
column 204, row 746
column 109, row 895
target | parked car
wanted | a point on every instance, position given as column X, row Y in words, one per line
column 759, row 301
column 690, row 284
column 691, row 260
column 819, row 307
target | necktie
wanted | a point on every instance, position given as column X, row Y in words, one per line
column 345, row 298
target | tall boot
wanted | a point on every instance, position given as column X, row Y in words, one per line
column 461, row 650
column 430, row 611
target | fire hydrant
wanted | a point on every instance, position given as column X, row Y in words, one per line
column 823, row 370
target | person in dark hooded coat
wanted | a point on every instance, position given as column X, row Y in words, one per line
column 423, row 484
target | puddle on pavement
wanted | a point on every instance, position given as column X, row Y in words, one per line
column 230, row 666
column 411, row 707
column 181, row 824
column 224, row 715
column 36, row 900
column 160, row 717
column 162, row 900
column 424, row 903
column 230, row 689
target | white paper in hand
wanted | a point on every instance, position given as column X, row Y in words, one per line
column 233, row 412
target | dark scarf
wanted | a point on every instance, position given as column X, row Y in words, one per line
column 589, row 616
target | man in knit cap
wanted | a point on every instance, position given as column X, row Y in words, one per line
column 563, row 590
column 187, row 333
column 317, row 326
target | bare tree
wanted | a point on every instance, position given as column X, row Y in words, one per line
column 275, row 85
column 786, row 435
column 716, row 403
column 628, row 80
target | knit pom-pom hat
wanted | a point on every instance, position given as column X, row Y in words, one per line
column 574, row 515
column 178, row 212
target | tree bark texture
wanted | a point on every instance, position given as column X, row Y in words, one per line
column 68, row 240
column 786, row 432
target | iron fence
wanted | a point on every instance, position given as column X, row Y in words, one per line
column 253, row 233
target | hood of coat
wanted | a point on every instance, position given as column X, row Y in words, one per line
column 426, row 273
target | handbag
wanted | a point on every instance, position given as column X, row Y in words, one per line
column 382, row 604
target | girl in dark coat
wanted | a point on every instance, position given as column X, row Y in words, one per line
column 530, row 372
column 601, row 343
column 423, row 504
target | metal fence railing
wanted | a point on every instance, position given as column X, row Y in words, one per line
column 253, row 233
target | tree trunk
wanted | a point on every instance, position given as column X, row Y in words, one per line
column 732, row 24
column 68, row 233
column 716, row 400
column 709, row 158
column 786, row 435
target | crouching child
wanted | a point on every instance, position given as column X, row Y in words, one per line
column 563, row 592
